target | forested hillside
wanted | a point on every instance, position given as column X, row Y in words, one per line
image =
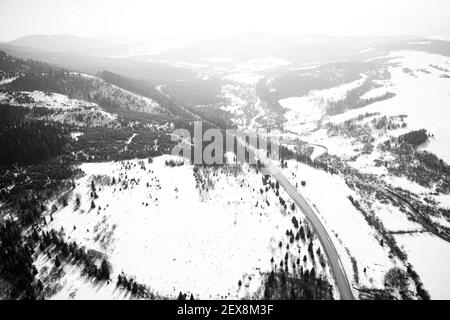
column 145, row 89
column 112, row 92
column 31, row 142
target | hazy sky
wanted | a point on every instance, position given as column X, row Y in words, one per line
column 212, row 17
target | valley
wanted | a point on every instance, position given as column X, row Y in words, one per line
column 357, row 206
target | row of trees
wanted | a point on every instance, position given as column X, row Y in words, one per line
column 306, row 286
column 353, row 99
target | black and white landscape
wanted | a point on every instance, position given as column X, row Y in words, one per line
column 95, row 205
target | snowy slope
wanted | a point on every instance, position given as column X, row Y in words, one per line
column 124, row 98
column 312, row 107
column 63, row 109
column 431, row 257
column 423, row 95
column 173, row 237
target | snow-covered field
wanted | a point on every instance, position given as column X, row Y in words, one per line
column 248, row 73
column 312, row 107
column 422, row 89
column 423, row 96
column 302, row 109
column 158, row 228
column 342, row 147
column 261, row 64
column 422, row 93
column 430, row 256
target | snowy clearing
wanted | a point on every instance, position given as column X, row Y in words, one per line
column 424, row 97
column 430, row 256
column 261, row 64
column 312, row 107
column 174, row 238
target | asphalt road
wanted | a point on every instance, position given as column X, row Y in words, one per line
column 336, row 266
column 331, row 253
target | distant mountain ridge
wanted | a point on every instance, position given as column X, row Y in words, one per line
column 69, row 43
column 442, row 37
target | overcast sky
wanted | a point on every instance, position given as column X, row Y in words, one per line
column 183, row 18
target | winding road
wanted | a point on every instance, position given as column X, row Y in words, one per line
column 331, row 253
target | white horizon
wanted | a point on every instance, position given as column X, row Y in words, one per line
column 207, row 18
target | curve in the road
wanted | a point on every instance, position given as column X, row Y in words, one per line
column 337, row 269
column 336, row 266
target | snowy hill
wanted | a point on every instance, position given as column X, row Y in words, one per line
column 353, row 143
column 363, row 138
column 140, row 223
column 62, row 109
